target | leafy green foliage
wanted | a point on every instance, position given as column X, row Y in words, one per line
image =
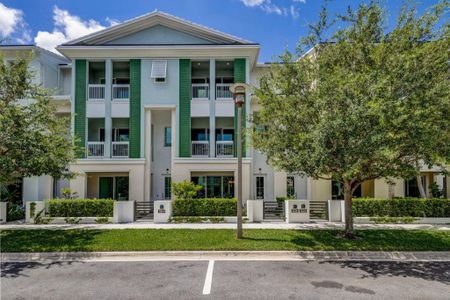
column 185, row 189
column 34, row 141
column 393, row 220
column 214, row 220
column 436, row 192
column 401, row 207
column 80, row 208
column 363, row 103
column 204, row 207
column 15, row 212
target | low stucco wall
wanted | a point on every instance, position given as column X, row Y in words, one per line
column 134, row 169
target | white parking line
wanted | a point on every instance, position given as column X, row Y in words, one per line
column 208, row 278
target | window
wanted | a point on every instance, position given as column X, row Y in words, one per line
column 290, row 187
column 259, row 187
column 224, row 134
column 167, row 187
column 412, row 189
column 215, row 186
column 159, row 70
column 200, row 134
column 118, row 134
column 167, row 136
column 114, row 187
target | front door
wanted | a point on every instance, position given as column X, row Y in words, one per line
column 106, row 188
column 260, row 187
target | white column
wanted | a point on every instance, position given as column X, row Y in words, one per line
column 108, row 120
column 212, row 107
column 148, row 153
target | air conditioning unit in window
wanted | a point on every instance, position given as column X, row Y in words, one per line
column 159, row 70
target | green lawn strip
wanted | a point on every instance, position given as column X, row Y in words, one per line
column 219, row 239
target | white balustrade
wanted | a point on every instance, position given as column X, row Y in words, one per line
column 120, row 149
column 96, row 92
column 121, row 92
column 200, row 148
column 223, row 91
column 200, row 91
column 224, row 149
column 95, row 149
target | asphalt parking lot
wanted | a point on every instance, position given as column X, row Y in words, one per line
column 225, row 280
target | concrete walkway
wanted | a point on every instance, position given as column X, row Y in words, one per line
column 267, row 225
column 424, row 256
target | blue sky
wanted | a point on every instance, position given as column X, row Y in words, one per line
column 275, row 24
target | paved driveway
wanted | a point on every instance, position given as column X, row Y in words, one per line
column 226, row 280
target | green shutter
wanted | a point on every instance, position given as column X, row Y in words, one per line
column 185, row 108
column 105, row 189
column 239, row 77
column 80, row 107
column 135, row 108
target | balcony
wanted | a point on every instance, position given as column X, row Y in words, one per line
column 96, row 92
column 121, row 92
column 200, row 91
column 224, row 149
column 223, row 91
column 200, row 148
column 95, row 149
column 120, row 149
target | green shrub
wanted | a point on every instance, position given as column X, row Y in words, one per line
column 401, row 207
column 80, row 208
column 15, row 212
column 185, row 189
column 205, row 207
column 196, row 220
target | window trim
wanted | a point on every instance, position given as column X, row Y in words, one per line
column 165, row 136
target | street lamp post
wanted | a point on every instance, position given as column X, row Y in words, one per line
column 238, row 90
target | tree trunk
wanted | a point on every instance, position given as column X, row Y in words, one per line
column 348, row 209
column 422, row 191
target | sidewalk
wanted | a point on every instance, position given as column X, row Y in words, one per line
column 266, row 225
column 427, row 256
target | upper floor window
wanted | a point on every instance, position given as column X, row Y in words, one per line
column 159, row 70
column 290, row 186
column 167, row 137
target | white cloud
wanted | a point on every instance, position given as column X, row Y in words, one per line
column 10, row 19
column 271, row 8
column 67, row 27
column 13, row 26
column 252, row 3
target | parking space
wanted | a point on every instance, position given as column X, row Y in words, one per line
column 225, row 280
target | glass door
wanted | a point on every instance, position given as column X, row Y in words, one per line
column 260, row 190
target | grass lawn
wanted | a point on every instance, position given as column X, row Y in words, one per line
column 219, row 239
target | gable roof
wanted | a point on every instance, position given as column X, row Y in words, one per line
column 153, row 19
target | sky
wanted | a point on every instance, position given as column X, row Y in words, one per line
column 275, row 24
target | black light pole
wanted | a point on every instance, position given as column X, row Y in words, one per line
column 238, row 90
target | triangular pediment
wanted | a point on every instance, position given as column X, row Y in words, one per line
column 158, row 28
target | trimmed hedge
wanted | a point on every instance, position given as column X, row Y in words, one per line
column 204, row 207
column 80, row 207
column 401, row 207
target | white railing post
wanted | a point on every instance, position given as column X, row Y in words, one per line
column 96, row 92
column 200, row 148
column 120, row 149
column 121, row 92
column 223, row 91
column 95, row 149
column 200, row 91
column 224, row 149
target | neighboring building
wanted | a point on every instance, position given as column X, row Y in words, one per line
column 51, row 71
column 151, row 106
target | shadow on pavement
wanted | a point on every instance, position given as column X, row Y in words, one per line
column 18, row 269
column 432, row 271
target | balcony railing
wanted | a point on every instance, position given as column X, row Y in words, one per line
column 224, row 149
column 120, row 149
column 223, row 91
column 95, row 149
column 200, row 148
column 121, row 92
column 96, row 92
column 200, row 91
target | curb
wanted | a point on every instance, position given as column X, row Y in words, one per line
column 229, row 255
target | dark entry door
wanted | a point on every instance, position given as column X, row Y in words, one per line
column 106, row 188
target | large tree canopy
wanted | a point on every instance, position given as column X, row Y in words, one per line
column 33, row 140
column 362, row 103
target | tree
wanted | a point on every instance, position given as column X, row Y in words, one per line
column 33, row 140
column 362, row 104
